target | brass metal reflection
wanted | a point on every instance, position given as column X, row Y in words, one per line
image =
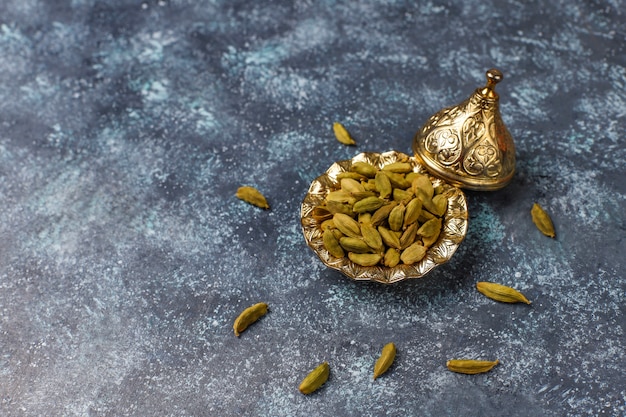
column 468, row 144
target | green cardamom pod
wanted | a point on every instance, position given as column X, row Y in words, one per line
column 400, row 167
column 470, row 366
column 501, row 292
column 364, row 259
column 337, row 207
column 422, row 187
column 371, row 237
column 368, row 204
column 331, row 243
column 249, row 316
column 412, row 212
column 392, row 257
column 315, row 379
column 252, row 196
column 347, row 225
column 389, row 238
column 383, row 185
column 351, row 186
column 385, row 360
column 354, row 244
column 409, row 235
column 414, row 253
column 396, row 217
column 366, row 169
column 542, row 220
column 382, row 213
column 430, row 228
column 342, row 134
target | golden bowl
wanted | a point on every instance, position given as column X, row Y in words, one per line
column 452, row 234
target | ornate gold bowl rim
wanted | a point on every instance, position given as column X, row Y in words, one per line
column 453, row 232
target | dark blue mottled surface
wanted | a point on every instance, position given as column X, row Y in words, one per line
column 126, row 127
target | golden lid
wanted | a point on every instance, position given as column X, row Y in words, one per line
column 468, row 144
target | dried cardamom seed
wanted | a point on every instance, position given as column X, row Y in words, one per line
column 470, row 366
column 366, row 169
column 340, row 196
column 365, row 194
column 320, row 214
column 337, row 207
column 371, row 237
column 351, row 175
column 389, row 238
column 327, row 224
column 542, row 220
column 413, row 254
column 430, row 240
column 402, row 195
column 351, row 186
column 412, row 212
column 397, row 180
column 342, row 134
column 440, row 204
column 430, row 228
column 396, row 217
column 400, row 167
column 385, row 360
column 501, row 292
column 365, row 259
column 347, row 225
column 383, row 185
column 331, row 243
column 409, row 235
column 382, row 213
column 315, row 379
column 368, row 204
column 422, row 187
column 354, row 244
column 252, row 196
column 392, row 257
column 249, row 316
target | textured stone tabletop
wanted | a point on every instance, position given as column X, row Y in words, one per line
column 127, row 126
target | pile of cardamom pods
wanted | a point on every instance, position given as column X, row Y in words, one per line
column 385, row 216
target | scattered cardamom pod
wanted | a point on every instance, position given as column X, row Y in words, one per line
column 252, row 196
column 249, row 316
column 542, row 220
column 315, row 379
column 501, row 292
column 342, row 134
column 385, row 360
column 470, row 366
